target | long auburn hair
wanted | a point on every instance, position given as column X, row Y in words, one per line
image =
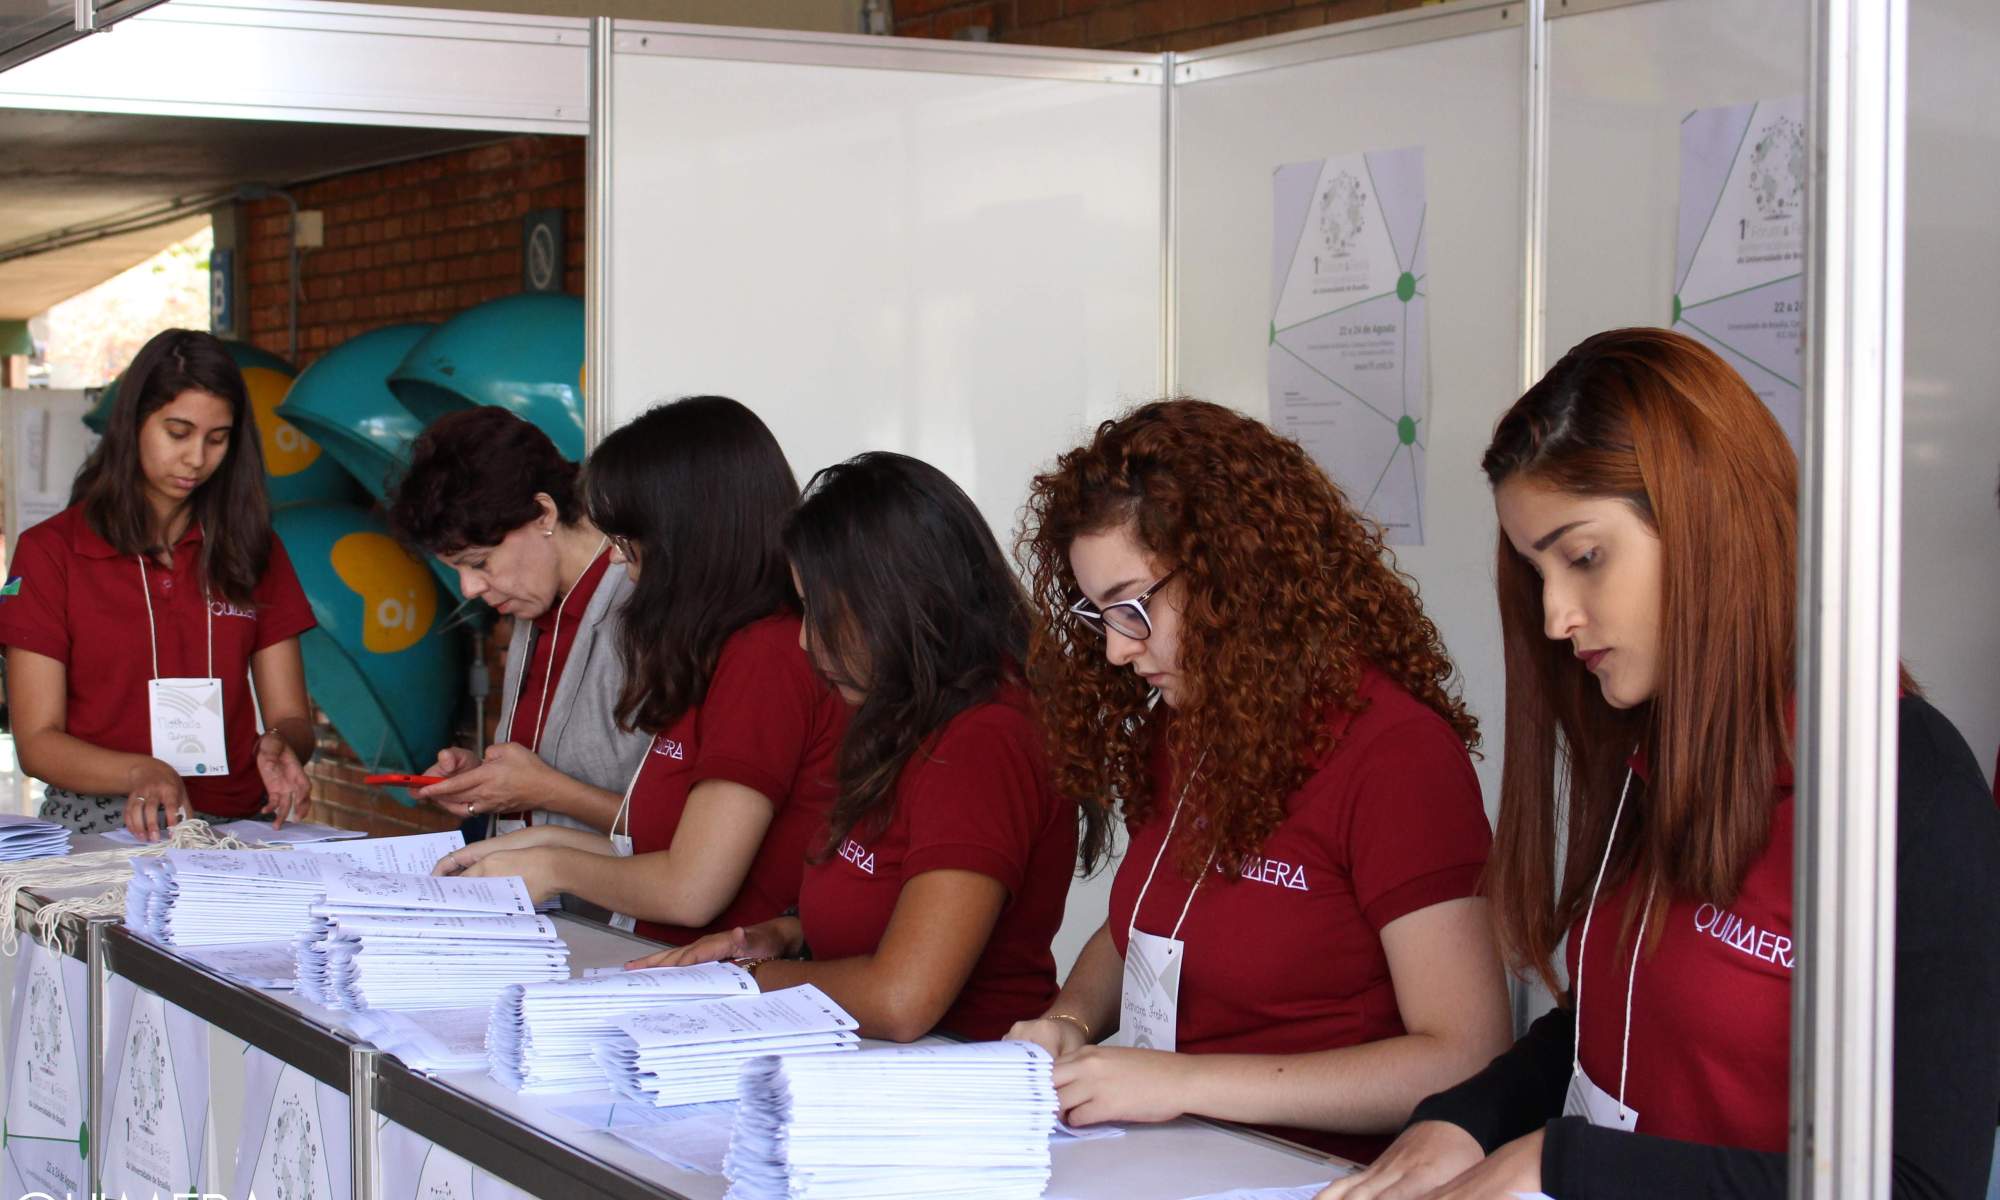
column 702, row 490
column 905, row 587
column 1659, row 421
column 1288, row 595
column 231, row 507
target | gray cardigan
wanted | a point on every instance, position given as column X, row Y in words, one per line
column 580, row 736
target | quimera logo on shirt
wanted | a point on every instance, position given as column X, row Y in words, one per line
column 223, row 608
column 667, row 747
column 858, row 854
column 1744, row 936
column 1276, row 873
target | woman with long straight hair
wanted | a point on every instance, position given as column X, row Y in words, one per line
column 136, row 618
column 1293, row 939
column 714, row 826
column 1648, row 511
column 938, row 883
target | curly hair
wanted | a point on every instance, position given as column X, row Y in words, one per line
column 1288, row 596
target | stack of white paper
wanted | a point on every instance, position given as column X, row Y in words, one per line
column 214, row 897
column 23, row 838
column 423, row 942
column 435, row 1040
column 933, row 1121
column 540, row 1035
column 691, row 1052
column 217, row 897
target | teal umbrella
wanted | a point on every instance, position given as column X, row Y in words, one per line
column 523, row 353
column 381, row 665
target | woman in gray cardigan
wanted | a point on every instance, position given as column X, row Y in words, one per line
column 490, row 496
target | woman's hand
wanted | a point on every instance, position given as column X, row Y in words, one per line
column 461, row 860
column 510, row 779
column 1428, row 1155
column 1056, row 1037
column 153, row 788
column 765, row 940
column 536, row 867
column 1513, row 1169
column 451, row 761
column 1116, row 1083
column 287, row 791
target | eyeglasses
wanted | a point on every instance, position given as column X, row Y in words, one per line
column 1128, row 617
column 623, row 545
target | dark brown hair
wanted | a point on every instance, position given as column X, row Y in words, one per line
column 231, row 506
column 702, row 490
column 473, row 478
column 1658, row 421
column 1288, row 595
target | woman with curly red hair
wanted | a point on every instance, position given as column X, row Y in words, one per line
column 1294, row 938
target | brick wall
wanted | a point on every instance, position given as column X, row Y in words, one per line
column 417, row 241
column 1145, row 25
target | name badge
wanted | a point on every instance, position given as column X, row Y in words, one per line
column 1602, row 1109
column 1150, row 1004
column 187, row 725
column 621, row 845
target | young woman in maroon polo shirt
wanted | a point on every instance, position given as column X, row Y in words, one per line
column 1648, row 550
column 715, row 825
column 490, row 495
column 164, row 566
column 935, row 891
column 1224, row 649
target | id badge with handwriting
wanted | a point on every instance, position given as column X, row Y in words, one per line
column 186, row 717
column 1150, row 1003
column 1602, row 1109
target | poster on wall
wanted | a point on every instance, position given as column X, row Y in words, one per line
column 295, row 1135
column 156, row 1060
column 1348, row 355
column 47, row 1132
column 47, row 443
column 415, row 1168
column 1740, row 265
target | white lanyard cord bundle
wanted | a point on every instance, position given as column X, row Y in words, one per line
column 1625, row 1049
column 555, row 639
column 1158, row 854
column 153, row 635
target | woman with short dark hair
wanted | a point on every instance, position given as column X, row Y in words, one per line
column 490, row 496
column 136, row 618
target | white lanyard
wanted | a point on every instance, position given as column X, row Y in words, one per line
column 624, row 816
column 152, row 634
column 555, row 640
column 1158, row 854
column 1625, row 1049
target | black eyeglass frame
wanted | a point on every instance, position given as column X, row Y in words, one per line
column 1099, row 619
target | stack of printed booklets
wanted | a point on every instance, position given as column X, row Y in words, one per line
column 223, row 897
column 23, row 838
column 691, row 1052
column 931, row 1121
column 379, row 940
column 540, row 1035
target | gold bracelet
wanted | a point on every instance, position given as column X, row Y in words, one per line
column 1079, row 1022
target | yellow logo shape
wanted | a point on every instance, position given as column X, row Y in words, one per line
column 287, row 451
column 398, row 599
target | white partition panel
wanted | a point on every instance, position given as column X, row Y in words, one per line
column 1622, row 77
column 1951, row 359
column 1451, row 81
column 950, row 252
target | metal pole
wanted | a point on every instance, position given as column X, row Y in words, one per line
column 1170, row 352
column 1535, row 195
column 597, row 239
column 97, row 1091
column 364, row 1131
column 1850, row 572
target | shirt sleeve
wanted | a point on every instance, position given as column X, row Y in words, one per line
column 1416, row 829
column 756, row 722
column 979, row 800
column 35, row 617
column 282, row 610
column 1947, row 1038
column 1517, row 1092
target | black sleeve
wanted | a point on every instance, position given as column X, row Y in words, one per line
column 1517, row 1091
column 1947, row 1020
